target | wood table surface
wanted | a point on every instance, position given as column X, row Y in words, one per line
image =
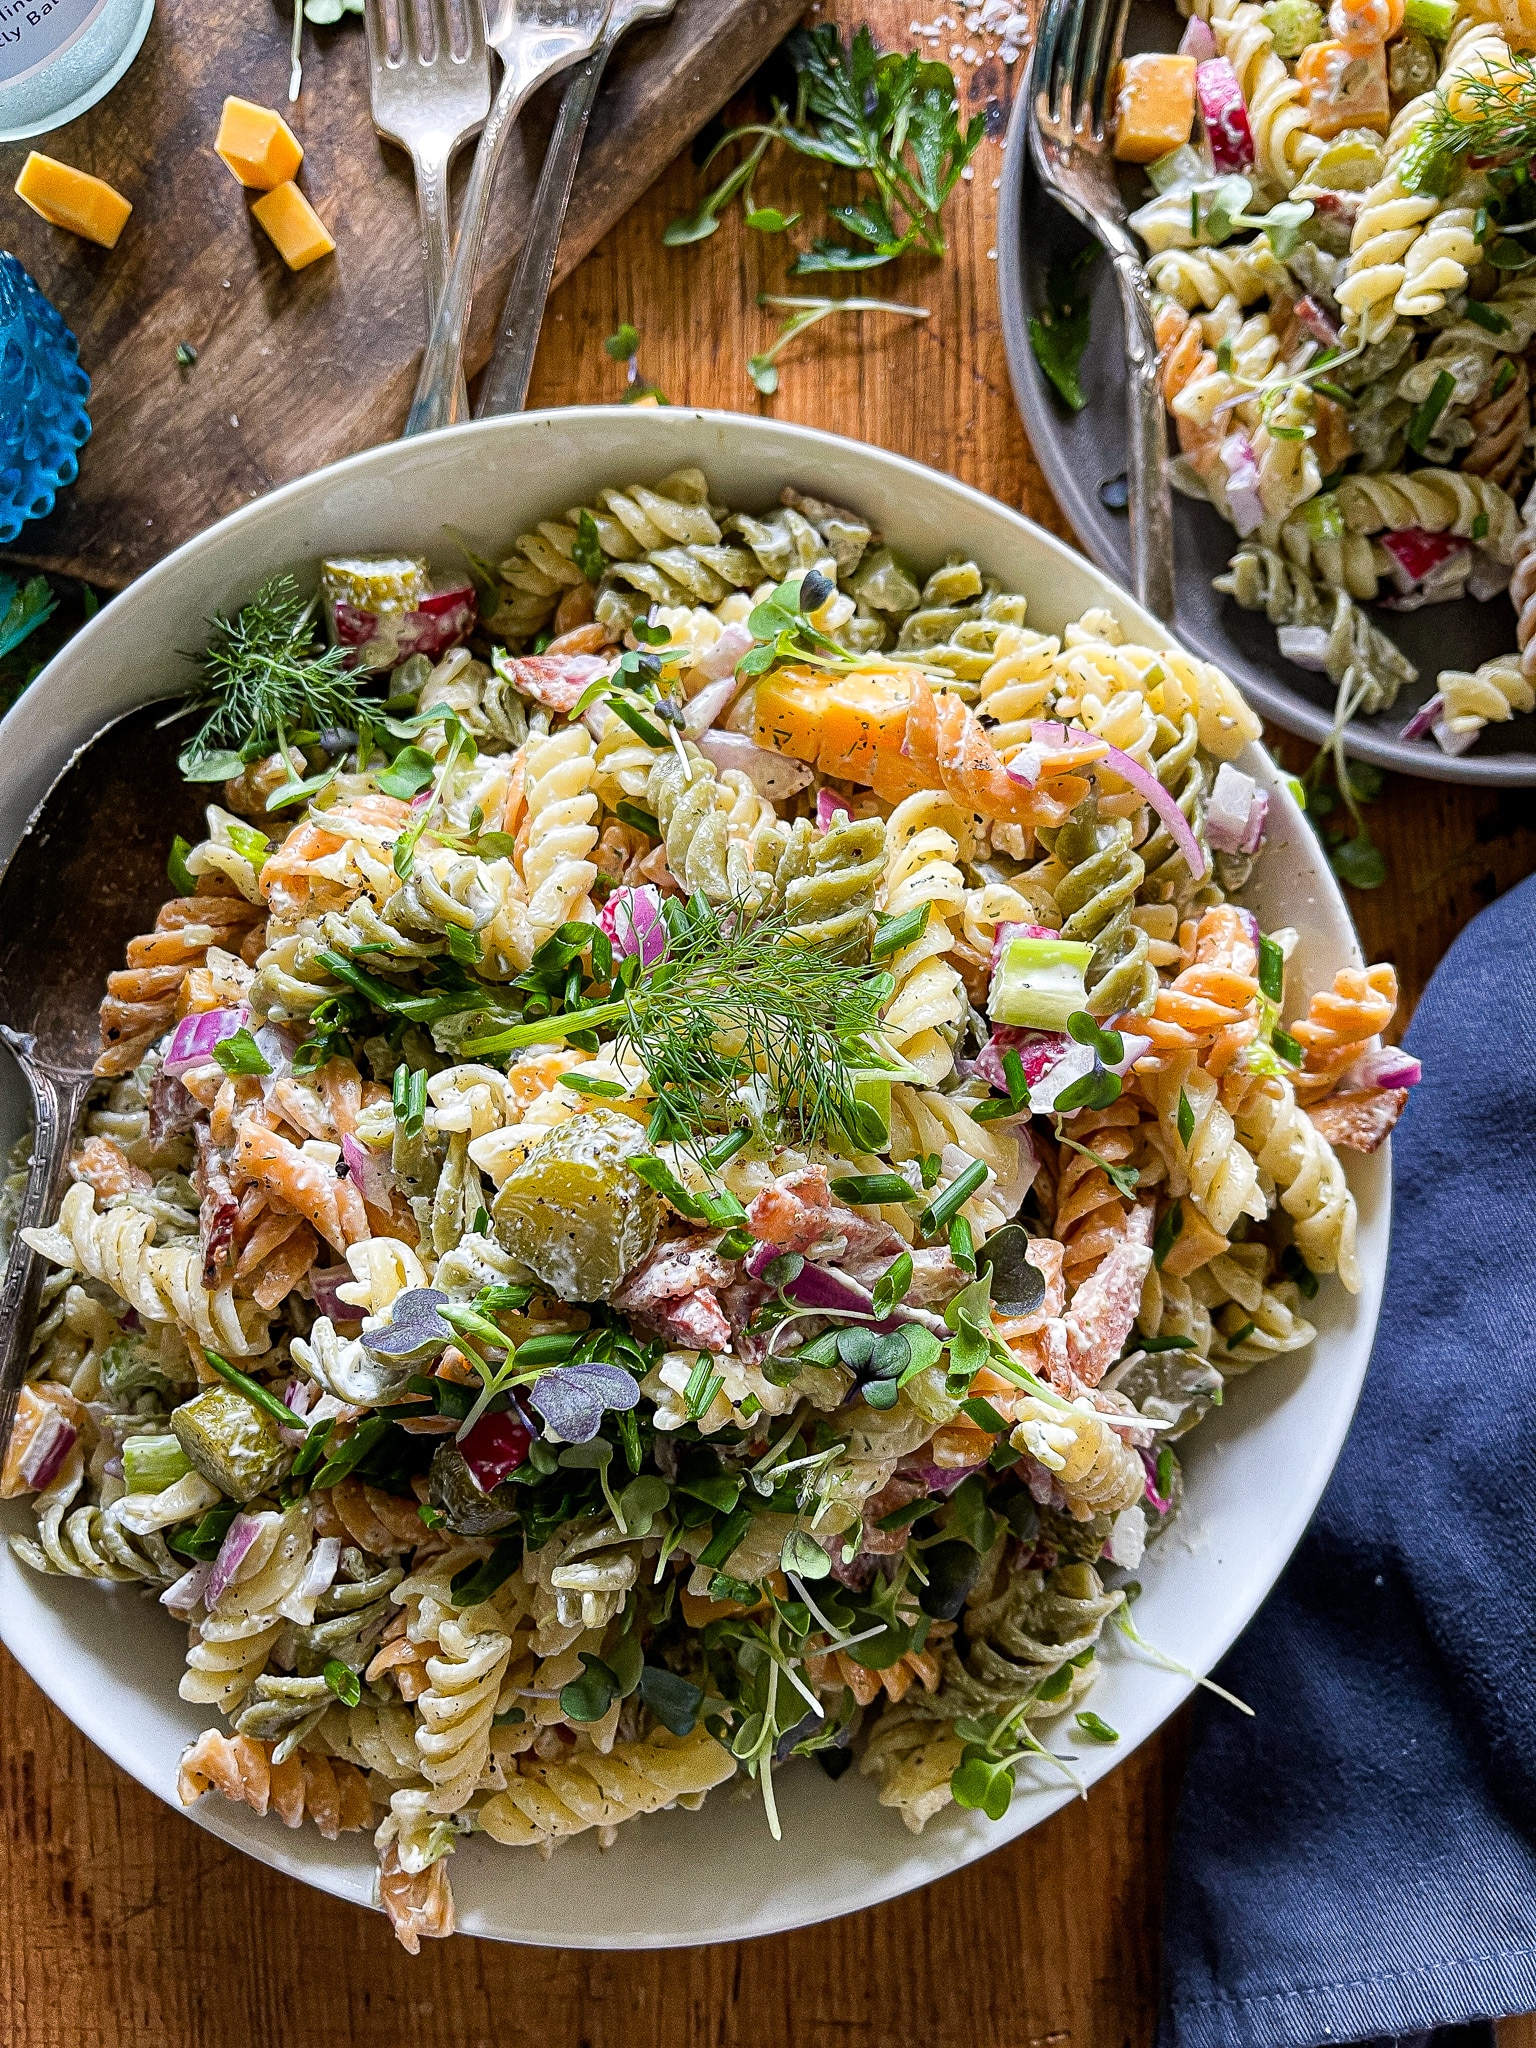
column 123, row 1925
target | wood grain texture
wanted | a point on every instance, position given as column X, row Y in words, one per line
column 126, row 1928
column 296, row 370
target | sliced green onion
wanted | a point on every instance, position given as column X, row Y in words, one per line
column 877, row 1188
column 939, row 1211
column 183, row 881
column 631, row 814
column 1422, row 425
column 900, row 931
column 1167, row 1234
column 1271, row 970
column 1477, row 310
column 258, row 1395
column 1287, row 1048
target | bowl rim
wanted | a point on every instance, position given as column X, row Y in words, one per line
column 1078, row 499
column 327, row 1866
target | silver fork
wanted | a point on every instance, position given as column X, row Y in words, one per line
column 534, row 39
column 429, row 83
column 1077, row 48
column 505, row 385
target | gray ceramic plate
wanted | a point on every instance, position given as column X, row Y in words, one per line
column 1081, row 452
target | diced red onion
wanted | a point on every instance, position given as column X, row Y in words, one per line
column 1165, row 805
column 939, row 1479
column 182, row 1597
column 238, row 1538
column 1025, row 764
column 321, row 1568
column 1304, row 647
column 323, row 1283
column 1318, row 321
column 1161, row 1502
column 52, row 1442
column 1235, row 814
column 1385, row 1066
column 1242, row 483
column 1011, row 929
column 721, row 659
column 771, row 775
column 372, row 1174
column 1050, row 1059
column 1423, row 718
column 194, row 1038
column 494, row 1449
column 818, row 1287
column 1250, row 925
column 1197, row 40
column 1225, row 113
column 1416, row 554
column 829, row 806
column 1453, row 742
column 712, row 703
column 632, row 920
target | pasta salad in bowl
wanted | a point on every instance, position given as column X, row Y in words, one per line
column 719, row 1097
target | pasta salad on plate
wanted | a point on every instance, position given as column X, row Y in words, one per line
column 1339, row 256
column 700, row 1124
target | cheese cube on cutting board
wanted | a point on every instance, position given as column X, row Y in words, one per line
column 297, row 231
column 67, row 198
column 257, row 144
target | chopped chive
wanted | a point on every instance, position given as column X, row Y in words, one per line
column 1166, row 1343
column 703, row 1385
column 1501, row 384
column 984, row 1415
column 1480, row 524
column 1287, row 1048
column 631, row 814
column 1013, row 1076
column 1271, row 970
column 962, row 1245
column 637, row 722
column 592, row 1084
column 1422, row 425
column 900, row 931
column 1241, row 1336
column 879, row 1188
column 954, row 1197
column 1482, row 315
column 381, row 994
column 258, row 1395
column 726, row 1148
column 183, row 881
column 343, row 1681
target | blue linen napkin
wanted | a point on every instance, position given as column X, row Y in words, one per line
column 1360, row 1858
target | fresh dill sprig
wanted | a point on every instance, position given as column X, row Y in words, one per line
column 264, row 678
column 1488, row 114
column 736, row 1022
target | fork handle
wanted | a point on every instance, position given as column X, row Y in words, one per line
column 505, row 385
column 442, row 364
column 1146, row 435
column 56, row 1101
column 435, row 212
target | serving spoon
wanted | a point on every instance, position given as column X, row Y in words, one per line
column 87, row 875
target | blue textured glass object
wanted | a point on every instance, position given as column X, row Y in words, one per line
column 43, row 390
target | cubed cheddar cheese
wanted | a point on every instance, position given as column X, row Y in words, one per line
column 1346, row 88
column 297, row 231
column 1154, row 106
column 67, row 198
column 257, row 144
column 788, row 711
column 864, row 716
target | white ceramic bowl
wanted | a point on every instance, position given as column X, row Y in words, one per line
column 110, row 1660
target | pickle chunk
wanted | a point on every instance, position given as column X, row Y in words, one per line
column 235, row 1447
column 574, row 1213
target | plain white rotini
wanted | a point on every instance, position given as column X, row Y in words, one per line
column 562, row 829
column 1244, row 271
column 1223, row 1180
column 162, row 1283
column 1487, row 695
column 453, row 1734
column 1304, row 1170
column 545, row 1802
column 226, row 1658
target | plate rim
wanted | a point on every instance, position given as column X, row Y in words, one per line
column 954, row 1847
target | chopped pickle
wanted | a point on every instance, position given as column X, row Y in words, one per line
column 467, row 1509
column 574, row 1213
column 235, row 1447
column 1350, row 163
column 375, row 583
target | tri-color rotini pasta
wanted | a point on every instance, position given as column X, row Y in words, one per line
column 1337, row 269
column 659, row 1202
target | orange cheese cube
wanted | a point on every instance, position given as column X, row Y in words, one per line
column 788, row 712
column 1154, row 106
column 864, row 716
column 1345, row 88
column 258, row 145
column 297, row 231
column 67, row 198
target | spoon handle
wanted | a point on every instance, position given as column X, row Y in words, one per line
column 56, row 1101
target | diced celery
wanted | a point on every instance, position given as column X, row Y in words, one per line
column 152, row 1463
column 1179, row 170
column 1040, row 983
column 1432, row 18
column 1322, row 517
column 1295, row 23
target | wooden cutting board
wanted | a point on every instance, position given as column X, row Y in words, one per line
column 294, row 371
